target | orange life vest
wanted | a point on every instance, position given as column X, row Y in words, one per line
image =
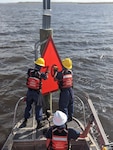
column 67, row 80
column 33, row 83
column 59, row 142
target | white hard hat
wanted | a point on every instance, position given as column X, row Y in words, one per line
column 59, row 118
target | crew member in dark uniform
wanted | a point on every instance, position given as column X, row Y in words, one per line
column 34, row 84
column 59, row 136
column 65, row 82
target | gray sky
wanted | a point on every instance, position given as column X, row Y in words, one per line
column 13, row 1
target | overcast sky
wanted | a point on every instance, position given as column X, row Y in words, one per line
column 12, row 1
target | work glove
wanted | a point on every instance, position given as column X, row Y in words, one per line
column 91, row 119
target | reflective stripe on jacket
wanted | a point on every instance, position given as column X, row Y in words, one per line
column 59, row 141
column 67, row 79
column 33, row 83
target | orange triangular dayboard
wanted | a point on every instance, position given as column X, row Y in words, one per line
column 51, row 58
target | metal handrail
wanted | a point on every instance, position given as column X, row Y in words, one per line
column 104, row 139
column 15, row 111
column 83, row 107
column 37, row 47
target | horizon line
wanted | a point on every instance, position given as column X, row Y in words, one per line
column 57, row 2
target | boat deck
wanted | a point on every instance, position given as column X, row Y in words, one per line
column 29, row 138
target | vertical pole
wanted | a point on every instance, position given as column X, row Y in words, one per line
column 45, row 32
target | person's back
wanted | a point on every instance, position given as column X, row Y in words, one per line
column 59, row 136
column 34, row 80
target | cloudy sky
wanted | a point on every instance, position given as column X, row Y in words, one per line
column 12, row 1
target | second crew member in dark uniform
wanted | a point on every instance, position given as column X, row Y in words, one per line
column 65, row 82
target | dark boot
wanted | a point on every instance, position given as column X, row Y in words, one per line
column 48, row 113
column 39, row 125
column 23, row 124
column 70, row 119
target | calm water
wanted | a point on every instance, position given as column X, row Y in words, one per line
column 83, row 32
